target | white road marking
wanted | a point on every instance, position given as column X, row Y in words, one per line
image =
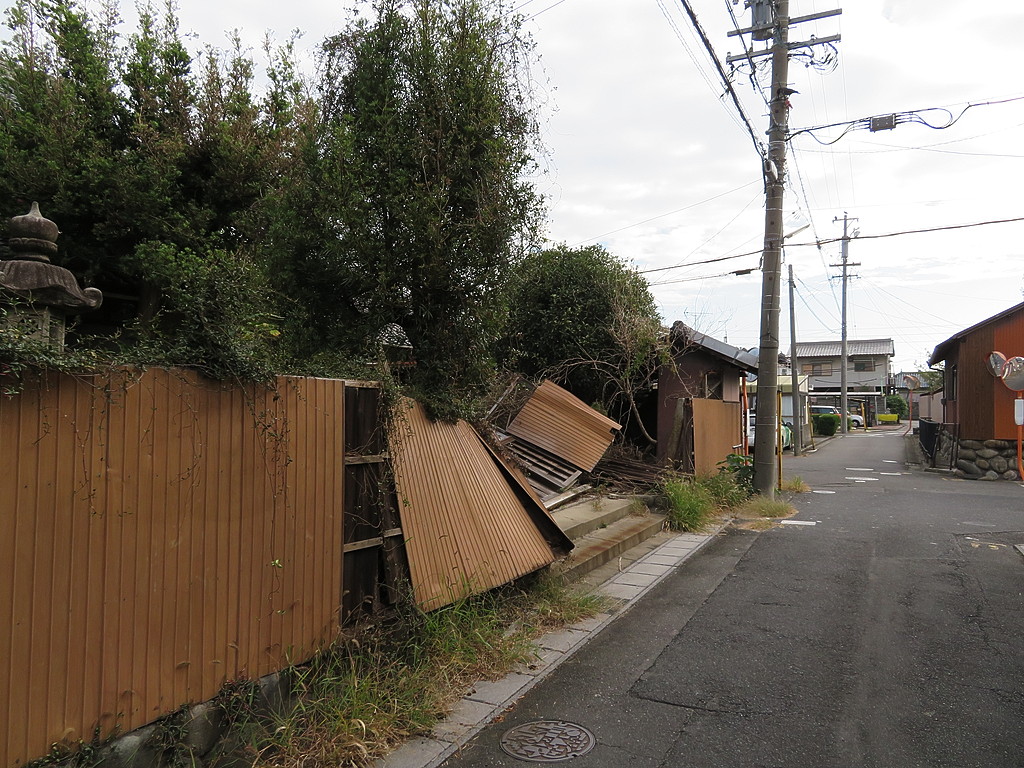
column 797, row 522
column 859, row 469
column 891, row 474
column 889, row 461
column 822, row 491
column 864, row 479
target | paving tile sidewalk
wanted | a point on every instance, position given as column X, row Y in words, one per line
column 487, row 700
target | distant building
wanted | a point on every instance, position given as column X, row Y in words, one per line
column 868, row 372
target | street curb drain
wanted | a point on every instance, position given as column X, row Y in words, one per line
column 547, row 741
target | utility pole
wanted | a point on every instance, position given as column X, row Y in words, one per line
column 844, row 355
column 767, row 417
column 798, row 412
column 776, row 29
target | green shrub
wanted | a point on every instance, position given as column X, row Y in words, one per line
column 825, row 424
column 896, row 404
column 740, row 470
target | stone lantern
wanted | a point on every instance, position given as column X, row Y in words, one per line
column 47, row 293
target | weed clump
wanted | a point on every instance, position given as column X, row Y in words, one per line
column 393, row 680
column 725, row 492
column 795, row 484
column 763, row 507
column 690, row 507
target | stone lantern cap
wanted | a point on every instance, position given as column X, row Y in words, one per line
column 29, row 273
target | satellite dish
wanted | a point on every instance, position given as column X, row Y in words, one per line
column 997, row 364
column 1013, row 374
column 911, row 381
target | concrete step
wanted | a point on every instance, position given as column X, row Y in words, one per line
column 581, row 517
column 616, row 565
column 615, row 539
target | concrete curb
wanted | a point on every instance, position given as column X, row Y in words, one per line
column 488, row 700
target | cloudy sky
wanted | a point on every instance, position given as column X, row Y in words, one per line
column 647, row 158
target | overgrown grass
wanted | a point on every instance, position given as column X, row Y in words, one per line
column 396, row 680
column 692, row 504
column 763, row 507
column 725, row 491
column 795, row 484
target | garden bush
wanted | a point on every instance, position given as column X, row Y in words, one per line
column 825, row 424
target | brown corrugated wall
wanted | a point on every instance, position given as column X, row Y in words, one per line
column 160, row 534
column 465, row 529
column 559, row 422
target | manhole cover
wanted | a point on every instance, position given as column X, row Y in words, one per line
column 547, row 741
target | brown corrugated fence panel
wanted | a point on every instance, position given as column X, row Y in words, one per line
column 466, row 531
column 716, row 430
column 160, row 534
column 558, row 421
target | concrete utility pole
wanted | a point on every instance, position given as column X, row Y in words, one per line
column 777, row 29
column 844, row 355
column 798, row 412
column 767, row 417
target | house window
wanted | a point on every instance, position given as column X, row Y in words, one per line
column 817, row 369
column 713, row 385
column 863, row 365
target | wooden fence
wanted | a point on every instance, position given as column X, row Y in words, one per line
column 716, row 433
column 160, row 535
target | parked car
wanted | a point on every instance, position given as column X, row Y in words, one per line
column 787, row 434
column 856, row 418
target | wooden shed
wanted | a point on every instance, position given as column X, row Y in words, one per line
column 699, row 414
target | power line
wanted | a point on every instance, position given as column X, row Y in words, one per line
column 913, row 231
column 750, row 59
column 707, row 277
column 696, row 263
column 725, row 78
column 828, row 328
column 824, row 308
column 523, row 5
column 810, row 218
column 726, row 225
column 889, row 121
column 686, row 47
column 819, row 243
column 663, row 215
column 543, row 10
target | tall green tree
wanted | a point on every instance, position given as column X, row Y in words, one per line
column 157, row 176
column 429, row 107
column 243, row 231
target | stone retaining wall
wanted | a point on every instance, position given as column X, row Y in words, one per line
column 987, row 460
column 196, row 736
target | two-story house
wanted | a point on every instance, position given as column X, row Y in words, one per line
column 867, row 374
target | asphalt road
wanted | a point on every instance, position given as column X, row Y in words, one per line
column 886, row 634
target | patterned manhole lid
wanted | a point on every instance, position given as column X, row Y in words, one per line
column 547, row 741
